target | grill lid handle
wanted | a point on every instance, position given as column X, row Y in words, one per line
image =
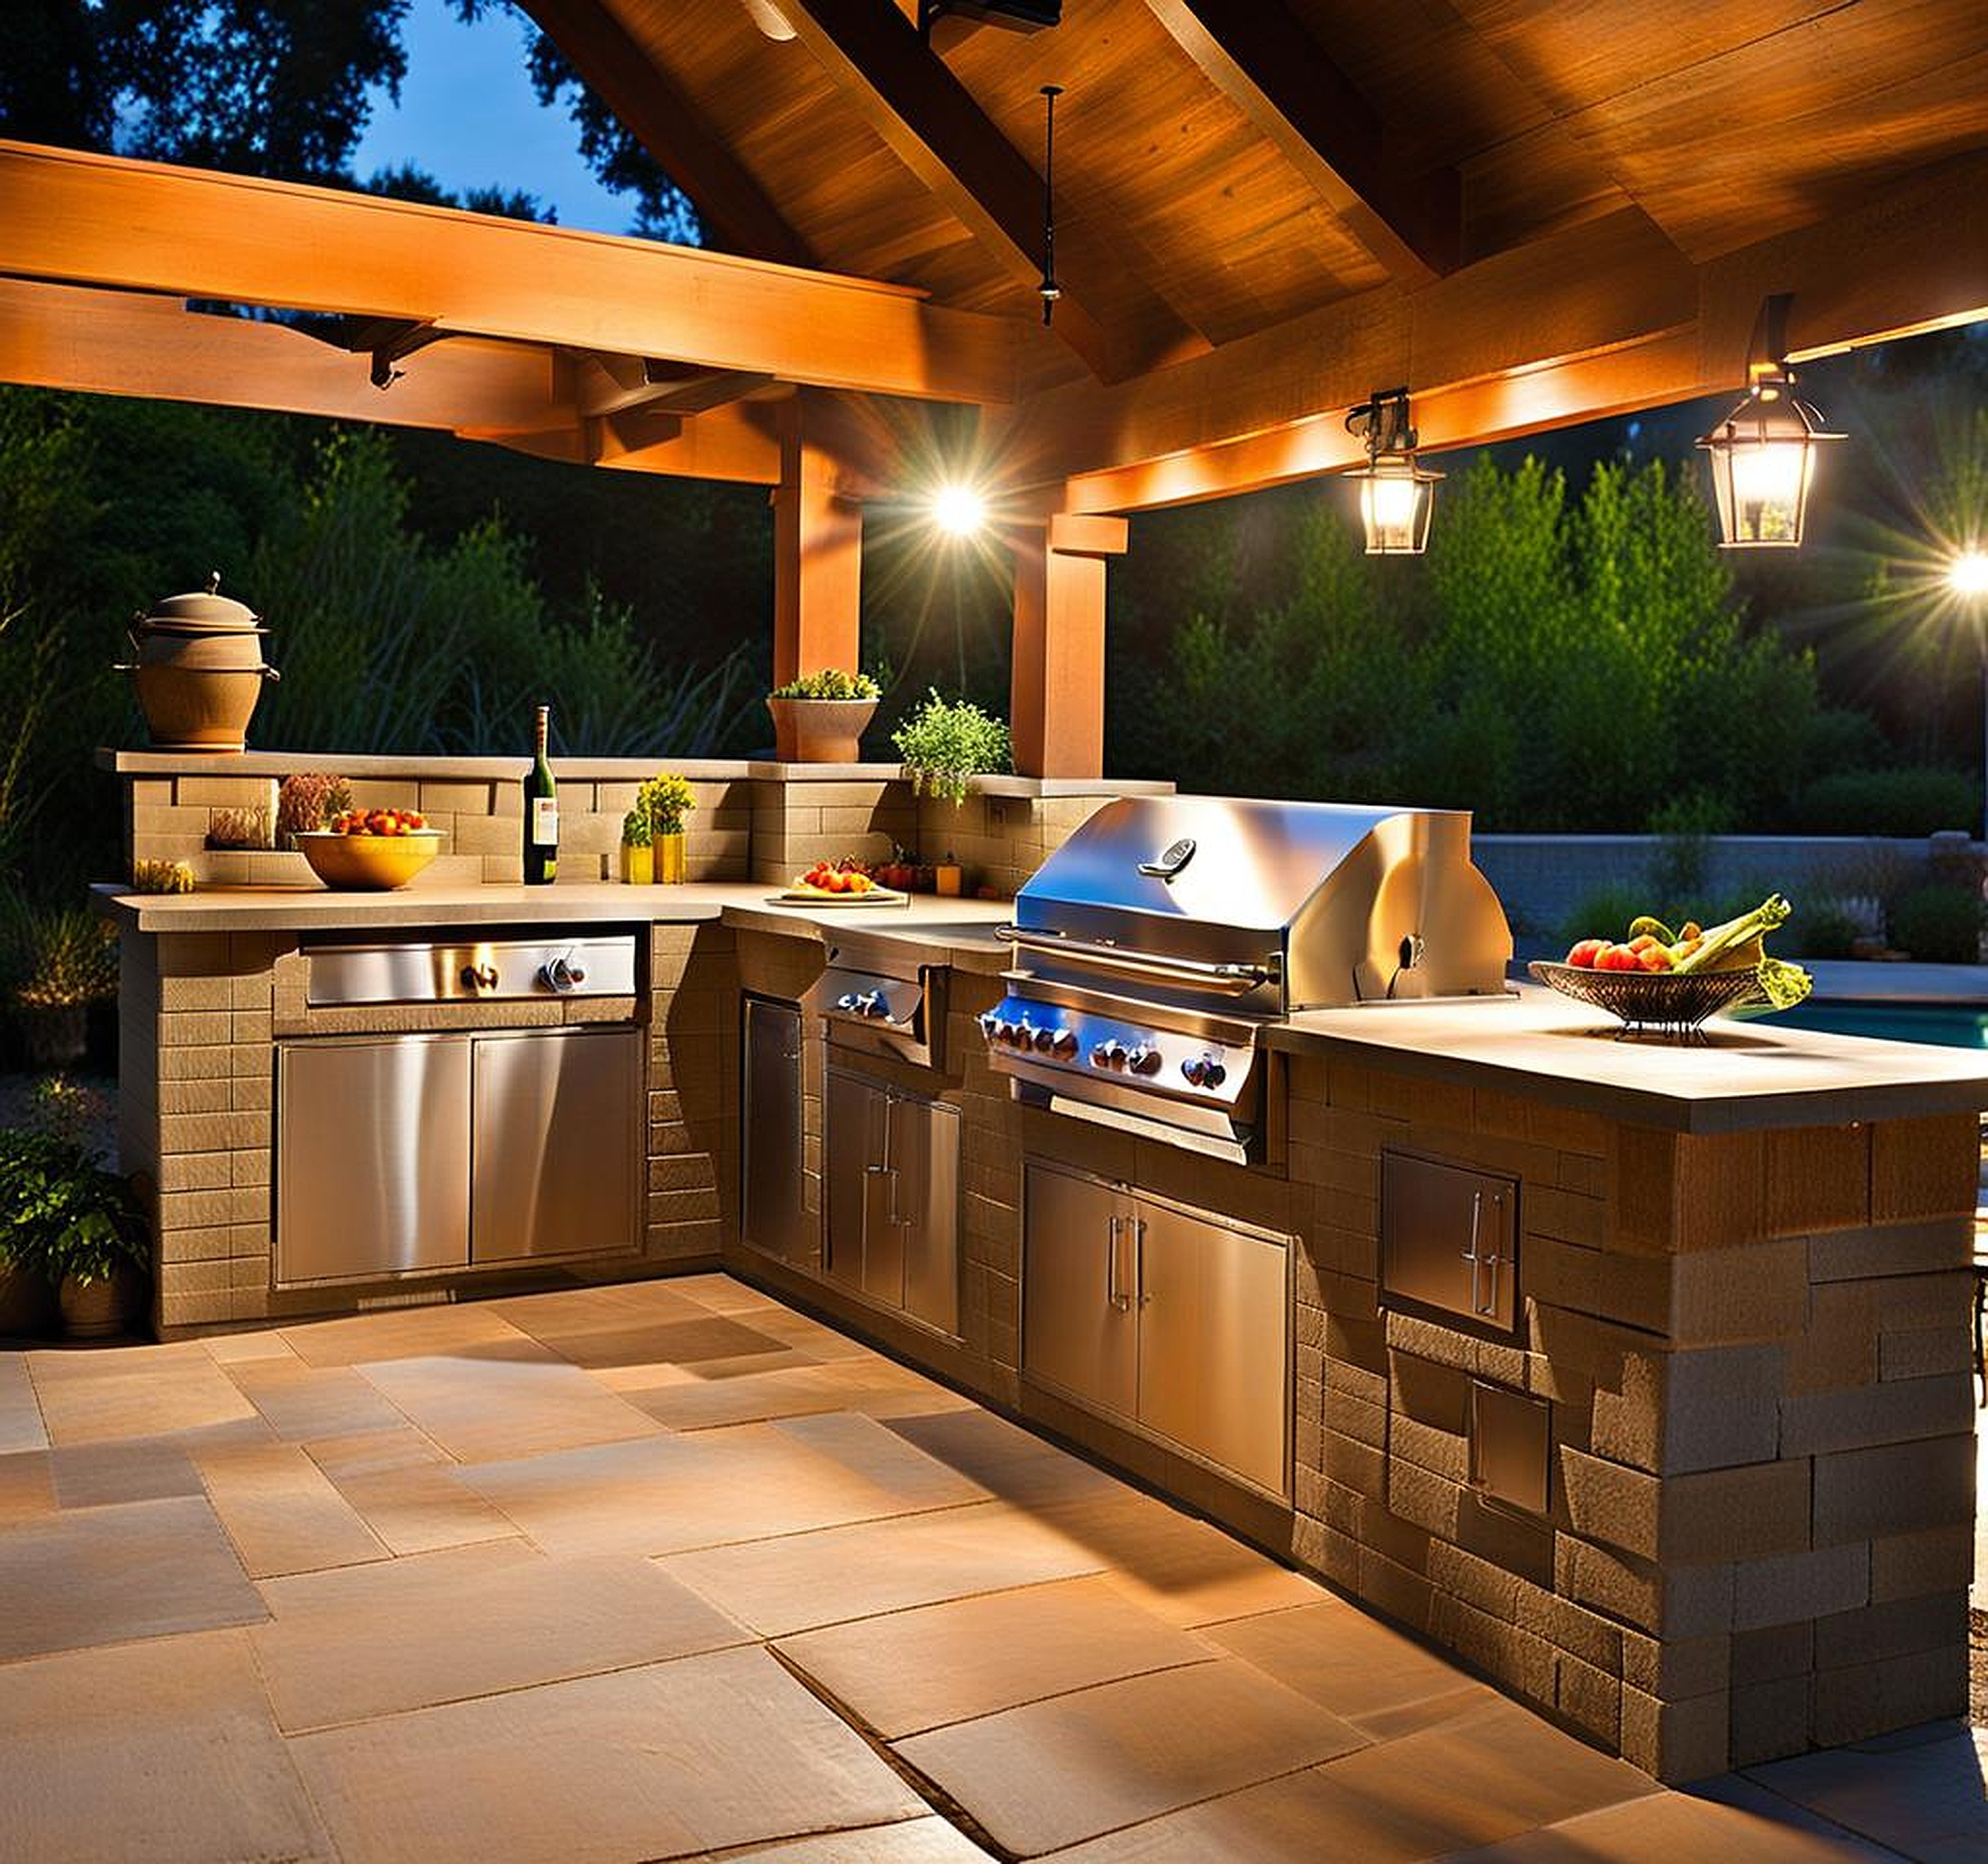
column 1233, row 980
column 1170, row 862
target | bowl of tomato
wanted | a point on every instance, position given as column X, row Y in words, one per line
column 371, row 850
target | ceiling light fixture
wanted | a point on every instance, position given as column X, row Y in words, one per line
column 1049, row 290
column 959, row 510
column 1396, row 492
column 1764, row 453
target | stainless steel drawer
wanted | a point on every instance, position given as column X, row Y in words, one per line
column 1448, row 1239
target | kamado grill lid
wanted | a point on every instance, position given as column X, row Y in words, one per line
column 200, row 612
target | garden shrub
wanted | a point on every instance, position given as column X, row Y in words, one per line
column 1916, row 800
column 1938, row 925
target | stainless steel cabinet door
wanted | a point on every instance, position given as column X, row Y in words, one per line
column 558, row 1143
column 1079, row 1319
column 1213, row 1350
column 854, row 1187
column 773, row 1210
column 1449, row 1239
column 923, row 1159
column 372, row 1163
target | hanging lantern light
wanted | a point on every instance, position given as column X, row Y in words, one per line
column 1396, row 492
column 1764, row 453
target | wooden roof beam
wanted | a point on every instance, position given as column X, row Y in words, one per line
column 121, row 342
column 610, row 385
column 1262, row 59
column 932, row 124
column 87, row 219
column 666, row 121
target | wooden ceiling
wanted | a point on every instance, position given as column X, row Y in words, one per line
column 1192, row 211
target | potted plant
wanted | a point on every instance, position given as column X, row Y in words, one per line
column 637, row 835
column 307, row 802
column 79, row 1225
column 668, row 799
column 819, row 718
column 64, row 961
column 945, row 744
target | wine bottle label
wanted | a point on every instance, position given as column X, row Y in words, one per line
column 545, row 821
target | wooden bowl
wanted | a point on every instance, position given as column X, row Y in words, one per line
column 370, row 864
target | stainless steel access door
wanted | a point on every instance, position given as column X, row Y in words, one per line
column 1214, row 1303
column 865, row 1244
column 923, row 1153
column 372, row 1162
column 773, row 1209
column 1448, row 1239
column 1080, row 1314
column 558, row 1144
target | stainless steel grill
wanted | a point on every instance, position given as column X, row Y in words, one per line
column 1152, row 948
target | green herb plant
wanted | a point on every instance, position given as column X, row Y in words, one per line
column 62, row 957
column 944, row 744
column 63, row 1214
column 663, row 803
column 831, row 682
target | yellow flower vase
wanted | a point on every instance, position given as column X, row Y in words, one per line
column 672, row 865
column 638, row 862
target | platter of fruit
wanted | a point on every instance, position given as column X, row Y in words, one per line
column 371, row 850
column 1658, row 981
column 840, row 883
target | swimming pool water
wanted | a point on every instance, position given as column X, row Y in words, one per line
column 1946, row 1025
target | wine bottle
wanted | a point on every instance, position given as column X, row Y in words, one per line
column 541, row 811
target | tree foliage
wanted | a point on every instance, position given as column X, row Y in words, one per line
column 1555, row 664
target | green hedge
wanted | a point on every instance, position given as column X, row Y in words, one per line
column 1918, row 799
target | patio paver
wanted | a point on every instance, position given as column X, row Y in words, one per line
column 526, row 1587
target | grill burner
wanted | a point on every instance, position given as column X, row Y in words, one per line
column 1155, row 946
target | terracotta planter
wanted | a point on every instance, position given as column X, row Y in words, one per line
column 95, row 1310
column 52, row 1035
column 199, row 670
column 820, row 730
column 671, row 863
column 638, row 862
column 27, row 1302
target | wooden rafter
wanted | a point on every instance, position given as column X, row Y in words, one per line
column 931, row 123
column 1264, row 60
column 107, row 220
column 666, row 121
column 610, row 385
column 121, row 342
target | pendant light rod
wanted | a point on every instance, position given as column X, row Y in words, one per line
column 1049, row 290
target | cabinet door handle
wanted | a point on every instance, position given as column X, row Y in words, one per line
column 1493, row 1259
column 1470, row 1254
column 1111, row 1268
column 1139, row 1259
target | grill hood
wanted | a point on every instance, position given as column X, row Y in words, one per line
column 1269, row 906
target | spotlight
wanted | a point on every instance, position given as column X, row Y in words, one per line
column 958, row 510
column 1967, row 574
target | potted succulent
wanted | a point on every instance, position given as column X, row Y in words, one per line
column 945, row 744
column 637, row 839
column 668, row 799
column 79, row 1225
column 819, row 718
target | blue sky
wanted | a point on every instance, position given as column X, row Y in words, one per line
column 467, row 114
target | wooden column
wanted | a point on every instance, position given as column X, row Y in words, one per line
column 817, row 558
column 1057, row 705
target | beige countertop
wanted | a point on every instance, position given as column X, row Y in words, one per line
column 1748, row 1074
column 961, row 931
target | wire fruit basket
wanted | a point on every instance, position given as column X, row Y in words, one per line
column 1667, row 1005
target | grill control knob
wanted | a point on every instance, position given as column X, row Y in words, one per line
column 1108, row 1054
column 1045, row 1039
column 1144, row 1061
column 1204, row 1072
column 1063, row 1044
column 558, row 976
column 846, row 1002
column 479, row 977
column 990, row 1027
column 872, row 1004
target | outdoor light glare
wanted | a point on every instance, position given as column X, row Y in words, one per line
column 1397, row 494
column 958, row 510
column 1967, row 574
column 1763, row 454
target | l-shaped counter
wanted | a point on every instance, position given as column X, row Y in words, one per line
column 1708, row 1497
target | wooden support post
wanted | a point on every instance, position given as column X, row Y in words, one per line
column 1057, row 702
column 817, row 558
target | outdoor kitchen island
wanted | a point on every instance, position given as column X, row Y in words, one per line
column 1707, row 1497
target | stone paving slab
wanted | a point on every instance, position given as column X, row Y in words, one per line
column 671, row 1572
